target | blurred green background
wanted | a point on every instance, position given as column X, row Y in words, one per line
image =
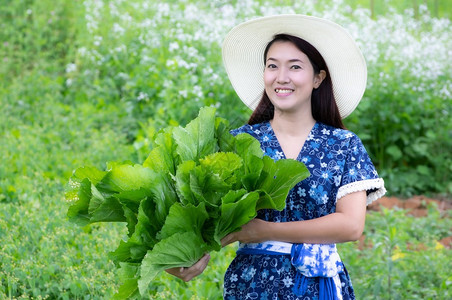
column 86, row 82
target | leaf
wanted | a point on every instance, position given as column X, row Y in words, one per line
column 183, row 182
column 252, row 172
column 424, row 170
column 123, row 178
column 251, row 153
column 78, row 211
column 247, row 146
column 132, row 199
column 184, row 219
column 163, row 157
column 96, row 199
column 111, row 210
column 207, row 186
column 79, row 193
column 394, row 152
column 222, row 163
column 237, row 209
column 225, row 139
column 197, row 139
column 278, row 178
column 93, row 174
column 164, row 195
column 142, row 239
column 128, row 274
column 179, row 250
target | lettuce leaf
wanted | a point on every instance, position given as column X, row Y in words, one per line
column 123, row 178
column 80, row 196
column 162, row 158
column 183, row 218
column 182, row 179
column 129, row 274
column 198, row 184
column 277, row 179
column 196, row 139
column 182, row 249
column 237, row 209
column 142, row 239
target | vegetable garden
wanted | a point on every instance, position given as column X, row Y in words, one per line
column 91, row 83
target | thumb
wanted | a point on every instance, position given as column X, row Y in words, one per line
column 227, row 240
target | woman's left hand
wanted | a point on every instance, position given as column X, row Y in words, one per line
column 252, row 232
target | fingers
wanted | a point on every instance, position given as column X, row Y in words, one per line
column 187, row 274
column 199, row 267
column 227, row 240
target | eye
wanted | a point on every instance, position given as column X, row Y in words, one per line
column 295, row 67
column 271, row 66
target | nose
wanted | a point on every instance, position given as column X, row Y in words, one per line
column 282, row 76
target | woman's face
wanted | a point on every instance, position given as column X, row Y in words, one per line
column 289, row 77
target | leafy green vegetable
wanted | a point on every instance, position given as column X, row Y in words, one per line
column 182, row 249
column 237, row 209
column 198, row 184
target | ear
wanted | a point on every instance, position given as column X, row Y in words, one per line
column 318, row 78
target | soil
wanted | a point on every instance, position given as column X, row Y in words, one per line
column 415, row 206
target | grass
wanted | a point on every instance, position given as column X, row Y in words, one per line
column 76, row 89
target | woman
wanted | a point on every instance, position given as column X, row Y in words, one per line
column 314, row 75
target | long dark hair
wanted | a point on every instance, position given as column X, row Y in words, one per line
column 323, row 104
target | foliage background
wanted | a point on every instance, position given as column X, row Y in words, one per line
column 86, row 82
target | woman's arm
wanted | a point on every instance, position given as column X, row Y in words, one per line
column 346, row 224
column 187, row 274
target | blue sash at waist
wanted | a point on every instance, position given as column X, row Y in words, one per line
column 310, row 260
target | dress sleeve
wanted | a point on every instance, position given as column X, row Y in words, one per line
column 359, row 173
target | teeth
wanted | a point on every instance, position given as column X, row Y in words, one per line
column 283, row 91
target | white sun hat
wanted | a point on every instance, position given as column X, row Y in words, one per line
column 243, row 56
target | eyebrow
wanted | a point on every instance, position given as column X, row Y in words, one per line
column 290, row 60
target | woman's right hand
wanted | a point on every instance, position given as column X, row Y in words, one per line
column 187, row 274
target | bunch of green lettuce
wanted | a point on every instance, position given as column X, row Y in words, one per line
column 198, row 184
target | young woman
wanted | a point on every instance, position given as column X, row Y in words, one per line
column 306, row 74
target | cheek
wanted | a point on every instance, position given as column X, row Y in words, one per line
column 268, row 78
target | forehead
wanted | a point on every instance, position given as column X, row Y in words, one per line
column 283, row 49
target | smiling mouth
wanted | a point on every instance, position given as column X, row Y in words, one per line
column 283, row 91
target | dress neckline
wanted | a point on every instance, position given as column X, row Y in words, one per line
column 302, row 147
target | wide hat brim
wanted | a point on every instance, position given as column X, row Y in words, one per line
column 243, row 56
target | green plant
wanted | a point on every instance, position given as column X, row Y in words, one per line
column 198, row 184
column 400, row 256
column 81, row 91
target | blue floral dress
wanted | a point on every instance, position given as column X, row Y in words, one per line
column 339, row 165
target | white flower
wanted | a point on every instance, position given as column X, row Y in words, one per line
column 197, row 90
column 97, row 40
column 287, row 281
column 325, row 131
column 173, row 46
column 142, row 96
column 118, row 29
column 183, row 93
column 71, row 68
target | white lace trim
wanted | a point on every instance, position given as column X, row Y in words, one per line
column 364, row 185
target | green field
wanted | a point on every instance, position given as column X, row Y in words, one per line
column 88, row 82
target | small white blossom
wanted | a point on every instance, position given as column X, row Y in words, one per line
column 173, row 46
column 142, row 96
column 71, row 68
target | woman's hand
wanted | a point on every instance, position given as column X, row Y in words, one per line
column 187, row 274
column 252, row 232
